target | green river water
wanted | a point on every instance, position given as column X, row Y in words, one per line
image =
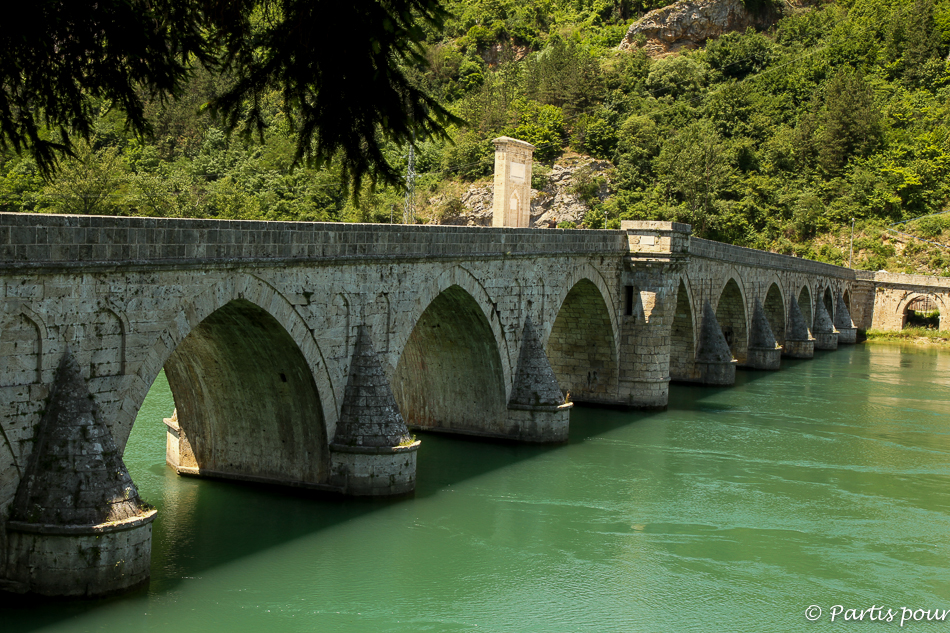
column 826, row 483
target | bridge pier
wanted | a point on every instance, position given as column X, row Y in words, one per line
column 643, row 380
column 764, row 352
column 847, row 333
column 537, row 411
column 826, row 337
column 798, row 340
column 714, row 360
column 78, row 527
column 651, row 279
column 372, row 453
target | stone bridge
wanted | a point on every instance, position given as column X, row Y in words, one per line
column 301, row 354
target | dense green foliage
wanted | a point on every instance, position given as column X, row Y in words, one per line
column 774, row 140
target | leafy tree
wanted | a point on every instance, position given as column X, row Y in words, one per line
column 564, row 75
column 91, row 183
column 679, row 76
column 542, row 126
column 693, row 166
column 739, row 54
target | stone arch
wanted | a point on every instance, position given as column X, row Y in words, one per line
column 21, row 349
column 828, row 299
column 246, row 306
column 920, row 301
column 806, row 305
column 581, row 346
column 846, row 297
column 246, row 400
column 683, row 334
column 775, row 312
column 450, row 373
column 404, row 324
column 733, row 319
column 582, row 272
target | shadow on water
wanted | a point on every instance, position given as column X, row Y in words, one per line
column 204, row 524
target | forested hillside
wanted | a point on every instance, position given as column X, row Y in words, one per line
column 772, row 139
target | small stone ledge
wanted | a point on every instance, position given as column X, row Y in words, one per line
column 544, row 408
column 191, row 471
column 376, row 450
column 102, row 528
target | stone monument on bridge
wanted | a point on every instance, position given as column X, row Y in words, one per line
column 511, row 204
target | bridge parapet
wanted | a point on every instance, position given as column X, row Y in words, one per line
column 761, row 259
column 41, row 240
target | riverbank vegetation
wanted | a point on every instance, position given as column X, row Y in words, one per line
column 773, row 140
column 915, row 335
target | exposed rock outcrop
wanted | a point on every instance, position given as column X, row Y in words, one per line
column 689, row 23
column 556, row 202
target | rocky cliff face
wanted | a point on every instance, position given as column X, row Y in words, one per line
column 556, row 202
column 689, row 23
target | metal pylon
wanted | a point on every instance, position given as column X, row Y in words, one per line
column 409, row 210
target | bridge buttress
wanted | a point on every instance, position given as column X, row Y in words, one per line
column 372, row 453
column 764, row 351
column 714, row 360
column 537, row 411
column 78, row 526
column 826, row 336
column 847, row 333
column 798, row 340
column 650, row 283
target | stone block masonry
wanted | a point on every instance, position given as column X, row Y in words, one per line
column 295, row 351
column 511, row 202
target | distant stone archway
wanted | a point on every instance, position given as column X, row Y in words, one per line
column 581, row 347
column 683, row 337
column 731, row 315
column 450, row 374
column 775, row 312
column 917, row 310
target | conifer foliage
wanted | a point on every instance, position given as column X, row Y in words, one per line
column 339, row 67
